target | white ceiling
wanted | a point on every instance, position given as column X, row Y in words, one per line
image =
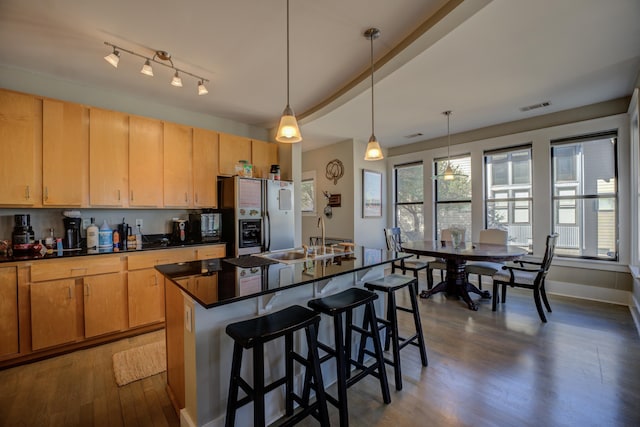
column 483, row 60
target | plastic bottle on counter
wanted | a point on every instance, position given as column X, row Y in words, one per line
column 105, row 236
column 92, row 235
column 116, row 240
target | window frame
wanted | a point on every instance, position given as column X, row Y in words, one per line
column 437, row 202
column 396, row 203
column 582, row 198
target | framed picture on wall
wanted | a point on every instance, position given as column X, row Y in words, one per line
column 371, row 194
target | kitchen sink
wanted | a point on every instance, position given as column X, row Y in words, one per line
column 297, row 255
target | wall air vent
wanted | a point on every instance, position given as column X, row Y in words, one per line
column 535, row 106
column 414, row 135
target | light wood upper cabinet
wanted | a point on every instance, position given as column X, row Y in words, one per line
column 178, row 153
column 8, row 311
column 205, row 168
column 263, row 155
column 53, row 313
column 105, row 304
column 108, row 158
column 145, row 162
column 20, row 145
column 232, row 149
column 65, row 152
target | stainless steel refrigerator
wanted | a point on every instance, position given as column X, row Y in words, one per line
column 258, row 215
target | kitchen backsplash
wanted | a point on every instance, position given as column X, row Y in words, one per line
column 155, row 221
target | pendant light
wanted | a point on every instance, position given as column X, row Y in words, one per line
column 448, row 174
column 288, row 130
column 374, row 152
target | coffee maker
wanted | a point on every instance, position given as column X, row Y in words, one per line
column 179, row 231
column 71, row 239
column 22, row 237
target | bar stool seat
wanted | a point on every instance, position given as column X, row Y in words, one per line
column 337, row 305
column 254, row 333
column 389, row 285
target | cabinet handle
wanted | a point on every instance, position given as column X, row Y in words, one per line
column 196, row 197
column 185, row 197
column 132, row 195
column 70, row 294
column 27, row 193
column 46, row 193
column 118, row 194
column 88, row 290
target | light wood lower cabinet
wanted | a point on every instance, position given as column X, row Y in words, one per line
column 145, row 297
column 54, row 313
column 105, row 304
column 8, row 311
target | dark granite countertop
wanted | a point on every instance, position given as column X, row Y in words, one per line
column 236, row 283
column 146, row 246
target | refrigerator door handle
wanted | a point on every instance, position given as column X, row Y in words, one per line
column 267, row 231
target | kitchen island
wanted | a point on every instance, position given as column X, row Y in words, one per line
column 203, row 297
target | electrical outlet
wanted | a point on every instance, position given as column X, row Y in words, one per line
column 139, row 223
column 86, row 222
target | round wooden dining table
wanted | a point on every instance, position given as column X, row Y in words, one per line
column 456, row 259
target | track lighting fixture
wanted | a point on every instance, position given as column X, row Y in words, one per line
column 374, row 152
column 160, row 57
column 288, row 130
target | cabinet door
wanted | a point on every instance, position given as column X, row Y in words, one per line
column 263, row 155
column 53, row 313
column 146, row 297
column 20, row 145
column 205, row 168
column 145, row 162
column 65, row 154
column 8, row 311
column 108, row 158
column 177, row 165
column 232, row 148
column 105, row 304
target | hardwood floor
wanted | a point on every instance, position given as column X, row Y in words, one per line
column 485, row 369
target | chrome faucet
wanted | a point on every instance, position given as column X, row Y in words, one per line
column 321, row 225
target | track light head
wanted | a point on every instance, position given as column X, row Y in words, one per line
column 176, row 81
column 146, row 69
column 202, row 90
column 113, row 58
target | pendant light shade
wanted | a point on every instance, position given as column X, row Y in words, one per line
column 374, row 152
column 288, row 130
column 449, row 174
column 176, row 81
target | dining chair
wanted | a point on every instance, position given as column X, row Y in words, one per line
column 414, row 263
column 493, row 236
column 529, row 278
column 440, row 263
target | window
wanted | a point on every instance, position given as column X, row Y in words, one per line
column 585, row 196
column 508, row 193
column 308, row 192
column 453, row 198
column 409, row 201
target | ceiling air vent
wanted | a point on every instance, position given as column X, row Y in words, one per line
column 414, row 135
column 535, row 106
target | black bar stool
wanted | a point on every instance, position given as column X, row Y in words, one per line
column 254, row 333
column 344, row 303
column 390, row 284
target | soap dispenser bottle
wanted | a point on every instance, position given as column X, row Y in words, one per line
column 92, row 235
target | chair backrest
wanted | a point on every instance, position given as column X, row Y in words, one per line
column 549, row 251
column 392, row 236
column 493, row 236
column 445, row 234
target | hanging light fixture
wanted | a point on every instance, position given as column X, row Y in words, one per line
column 449, row 173
column 374, row 152
column 288, row 130
column 113, row 58
column 162, row 58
